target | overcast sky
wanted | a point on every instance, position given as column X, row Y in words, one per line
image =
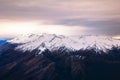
column 60, row 16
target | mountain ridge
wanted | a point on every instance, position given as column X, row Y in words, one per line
column 73, row 43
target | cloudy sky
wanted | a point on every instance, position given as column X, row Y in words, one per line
column 69, row 17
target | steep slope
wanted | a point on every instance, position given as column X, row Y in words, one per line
column 53, row 42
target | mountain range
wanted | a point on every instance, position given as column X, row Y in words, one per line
column 59, row 57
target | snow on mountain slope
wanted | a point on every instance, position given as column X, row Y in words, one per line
column 52, row 42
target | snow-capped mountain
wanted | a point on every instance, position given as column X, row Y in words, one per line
column 26, row 58
column 51, row 42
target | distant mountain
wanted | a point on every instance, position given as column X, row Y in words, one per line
column 58, row 57
column 2, row 41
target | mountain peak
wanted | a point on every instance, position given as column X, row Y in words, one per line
column 52, row 42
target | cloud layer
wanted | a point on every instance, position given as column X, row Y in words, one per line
column 99, row 16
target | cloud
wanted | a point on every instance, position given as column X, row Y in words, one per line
column 55, row 9
column 100, row 16
column 111, row 27
column 15, row 28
